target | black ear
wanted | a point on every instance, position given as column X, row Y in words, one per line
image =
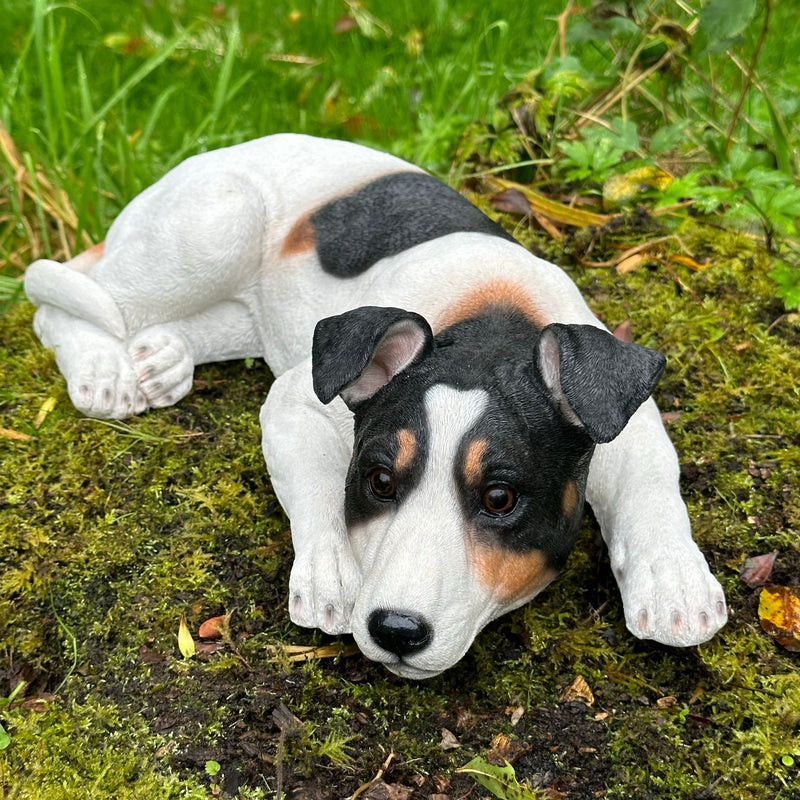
column 597, row 380
column 358, row 352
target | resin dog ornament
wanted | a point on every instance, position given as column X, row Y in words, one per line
column 444, row 401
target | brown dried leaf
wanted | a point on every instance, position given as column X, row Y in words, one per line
column 149, row 656
column 380, row 790
column 213, row 628
column 511, row 201
column 449, row 741
column 630, row 263
column 757, row 569
column 666, row 702
column 578, row 690
column 504, row 750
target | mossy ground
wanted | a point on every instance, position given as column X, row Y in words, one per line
column 108, row 533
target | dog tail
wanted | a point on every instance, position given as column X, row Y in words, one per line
column 76, row 293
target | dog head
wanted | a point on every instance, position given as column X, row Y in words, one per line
column 471, row 452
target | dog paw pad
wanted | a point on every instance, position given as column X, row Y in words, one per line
column 164, row 364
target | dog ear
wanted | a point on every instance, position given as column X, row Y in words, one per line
column 597, row 381
column 358, row 352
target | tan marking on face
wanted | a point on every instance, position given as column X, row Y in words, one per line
column 473, row 462
column 406, row 449
column 510, row 576
column 493, row 294
column 569, row 499
column 300, row 239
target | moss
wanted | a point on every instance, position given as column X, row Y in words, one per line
column 108, row 533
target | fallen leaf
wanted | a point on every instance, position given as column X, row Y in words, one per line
column 449, row 741
column 578, row 690
column 185, row 640
column 213, row 628
column 666, row 702
column 556, row 211
column 208, row 648
column 7, row 433
column 779, row 613
column 149, row 656
column 689, row 262
column 629, row 264
column 511, row 201
column 756, row 570
column 39, row 703
column 380, row 790
column 45, row 409
column 299, row 652
column 286, row 721
column 505, row 750
column 621, row 189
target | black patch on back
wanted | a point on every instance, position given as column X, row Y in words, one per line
column 390, row 215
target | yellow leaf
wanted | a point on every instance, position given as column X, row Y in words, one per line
column 559, row 212
column 621, row 189
column 45, row 409
column 185, row 640
column 779, row 613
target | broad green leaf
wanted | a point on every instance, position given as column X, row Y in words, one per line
column 500, row 781
column 720, row 22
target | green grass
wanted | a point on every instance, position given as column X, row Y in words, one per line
column 110, row 96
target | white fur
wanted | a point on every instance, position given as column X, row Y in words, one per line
column 415, row 557
column 192, row 272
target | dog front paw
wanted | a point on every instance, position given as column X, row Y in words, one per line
column 673, row 599
column 323, row 587
column 164, row 365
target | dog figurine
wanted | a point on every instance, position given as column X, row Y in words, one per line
column 444, row 401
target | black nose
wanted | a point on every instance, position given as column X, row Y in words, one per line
column 399, row 633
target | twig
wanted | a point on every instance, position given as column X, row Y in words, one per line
column 381, row 772
column 748, row 76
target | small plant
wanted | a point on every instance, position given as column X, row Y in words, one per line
column 5, row 739
column 500, row 781
column 787, row 277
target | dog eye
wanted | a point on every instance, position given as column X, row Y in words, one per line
column 381, row 482
column 498, row 499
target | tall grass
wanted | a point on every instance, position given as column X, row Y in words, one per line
column 107, row 97
column 97, row 99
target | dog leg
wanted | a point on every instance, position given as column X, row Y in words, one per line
column 111, row 379
column 307, row 448
column 668, row 592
